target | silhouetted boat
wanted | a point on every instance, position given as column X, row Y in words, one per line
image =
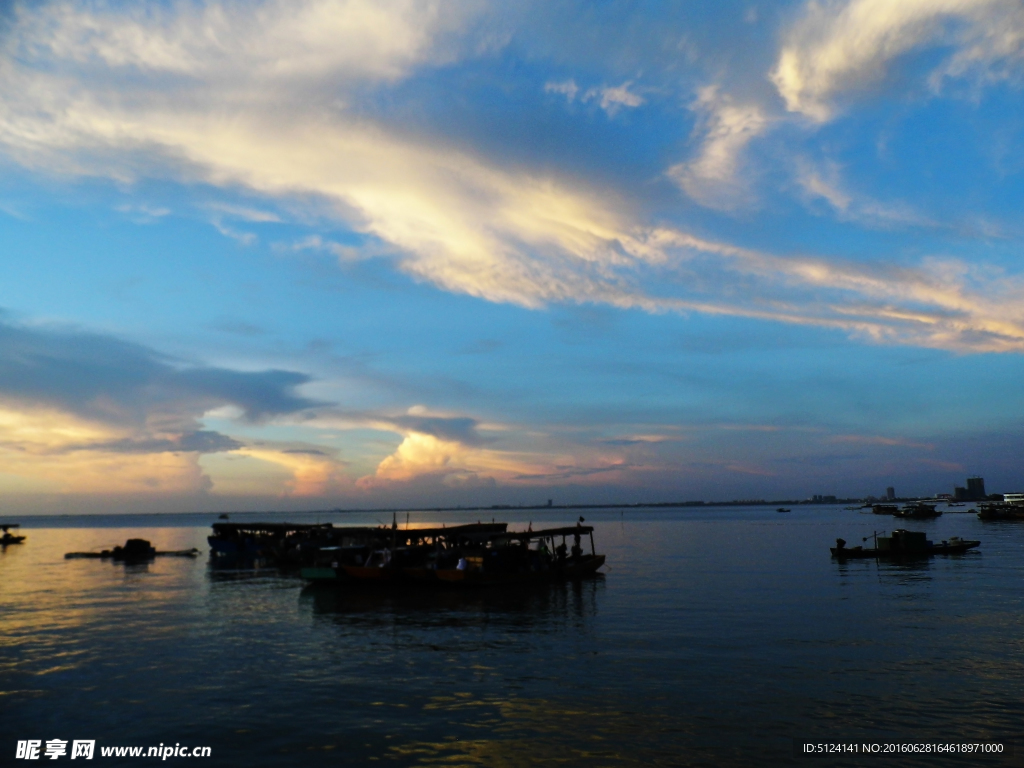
column 473, row 555
column 1001, row 511
column 783, row 509
column 918, row 511
column 134, row 551
column 903, row 544
column 8, row 537
column 885, row 509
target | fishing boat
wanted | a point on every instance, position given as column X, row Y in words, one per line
column 917, row 511
column 526, row 557
column 481, row 554
column 134, row 551
column 1001, row 511
column 884, row 509
column 783, row 509
column 277, row 543
column 903, row 544
column 389, row 554
column 8, row 537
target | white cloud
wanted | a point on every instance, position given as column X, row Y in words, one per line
column 273, row 125
column 840, row 47
column 824, row 182
column 612, row 99
column 567, row 88
column 725, row 128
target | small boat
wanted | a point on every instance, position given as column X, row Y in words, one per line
column 134, row 551
column 903, row 544
column 783, row 509
column 223, row 516
column 8, row 537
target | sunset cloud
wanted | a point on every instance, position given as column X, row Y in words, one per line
column 839, row 48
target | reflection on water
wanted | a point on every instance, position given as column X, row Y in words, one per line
column 532, row 606
column 716, row 638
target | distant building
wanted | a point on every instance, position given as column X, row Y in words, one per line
column 818, row 499
column 890, row 493
column 550, row 502
column 975, row 490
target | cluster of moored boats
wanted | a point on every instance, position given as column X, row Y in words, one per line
column 477, row 554
column 907, row 544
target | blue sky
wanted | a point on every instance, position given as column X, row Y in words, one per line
column 325, row 253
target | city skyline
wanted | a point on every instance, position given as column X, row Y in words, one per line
column 353, row 254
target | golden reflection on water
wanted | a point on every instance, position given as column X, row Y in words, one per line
column 47, row 601
column 531, row 732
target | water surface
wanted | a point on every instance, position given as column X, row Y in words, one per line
column 716, row 637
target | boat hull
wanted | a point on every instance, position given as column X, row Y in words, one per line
column 859, row 553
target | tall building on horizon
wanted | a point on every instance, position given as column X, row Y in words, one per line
column 975, row 490
column 890, row 493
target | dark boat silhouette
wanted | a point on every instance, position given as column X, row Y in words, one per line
column 8, row 537
column 903, row 544
column 134, row 551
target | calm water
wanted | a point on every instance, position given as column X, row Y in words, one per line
column 715, row 638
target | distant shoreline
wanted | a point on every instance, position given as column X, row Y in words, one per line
column 494, row 508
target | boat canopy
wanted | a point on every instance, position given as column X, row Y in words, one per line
column 545, row 533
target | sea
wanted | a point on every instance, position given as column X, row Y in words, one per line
column 722, row 636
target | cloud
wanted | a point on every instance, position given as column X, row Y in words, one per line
column 841, row 47
column 881, row 440
column 611, row 100
column 86, row 412
column 312, row 472
column 725, row 128
column 824, row 182
column 567, row 88
column 256, row 97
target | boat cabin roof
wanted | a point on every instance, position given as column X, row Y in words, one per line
column 544, row 533
column 270, row 527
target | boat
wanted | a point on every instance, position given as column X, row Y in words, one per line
column 903, row 544
column 387, row 554
column 1001, row 511
column 277, row 543
column 475, row 555
column 134, row 551
column 8, row 537
column 783, row 509
column 884, row 509
column 917, row 511
column 526, row 557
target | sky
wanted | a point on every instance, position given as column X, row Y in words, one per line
column 310, row 254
